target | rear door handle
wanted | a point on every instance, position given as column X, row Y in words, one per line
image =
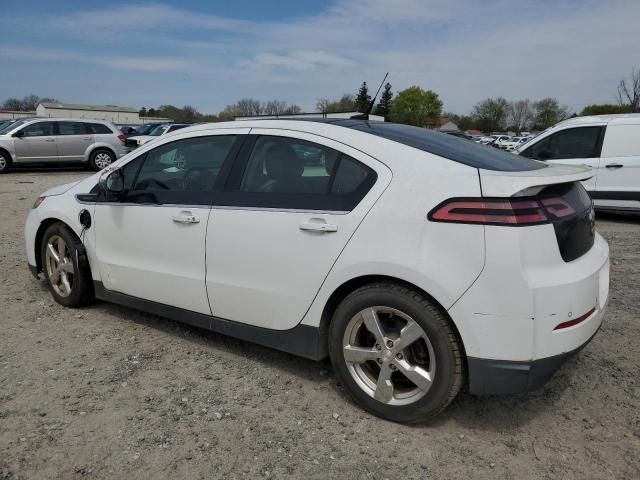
column 186, row 217
column 614, row 165
column 319, row 227
column 49, row 139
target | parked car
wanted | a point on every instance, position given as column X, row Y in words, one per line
column 418, row 262
column 607, row 144
column 513, row 143
column 459, row 134
column 157, row 131
column 500, row 141
column 485, row 140
column 45, row 140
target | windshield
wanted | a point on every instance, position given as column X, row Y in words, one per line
column 11, row 125
column 145, row 129
column 159, row 130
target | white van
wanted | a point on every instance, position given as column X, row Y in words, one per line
column 609, row 144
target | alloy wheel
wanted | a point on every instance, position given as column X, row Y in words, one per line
column 59, row 265
column 389, row 355
column 102, row 160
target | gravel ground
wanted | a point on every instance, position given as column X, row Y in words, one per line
column 109, row 392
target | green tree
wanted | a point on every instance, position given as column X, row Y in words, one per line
column 384, row 106
column 490, row 115
column 415, row 106
column 548, row 112
column 143, row 112
column 363, row 99
column 604, row 109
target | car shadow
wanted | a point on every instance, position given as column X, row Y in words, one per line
column 21, row 169
column 499, row 413
column 618, row 217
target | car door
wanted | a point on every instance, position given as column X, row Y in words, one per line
column 292, row 202
column 150, row 244
column 73, row 140
column 36, row 143
column 619, row 168
column 573, row 146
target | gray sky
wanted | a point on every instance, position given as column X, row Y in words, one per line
column 211, row 55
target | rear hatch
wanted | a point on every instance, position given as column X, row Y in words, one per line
column 554, row 192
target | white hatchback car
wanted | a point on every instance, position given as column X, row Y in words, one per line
column 608, row 144
column 416, row 260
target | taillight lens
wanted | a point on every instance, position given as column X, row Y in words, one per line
column 122, row 138
column 502, row 211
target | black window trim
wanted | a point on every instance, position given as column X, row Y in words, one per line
column 233, row 197
column 195, row 199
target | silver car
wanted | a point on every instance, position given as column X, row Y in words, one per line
column 50, row 140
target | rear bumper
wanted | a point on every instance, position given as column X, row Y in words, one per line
column 496, row 377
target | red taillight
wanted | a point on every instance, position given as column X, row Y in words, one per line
column 575, row 321
column 122, row 138
column 502, row 211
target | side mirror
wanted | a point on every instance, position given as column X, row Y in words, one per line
column 544, row 155
column 18, row 134
column 112, row 181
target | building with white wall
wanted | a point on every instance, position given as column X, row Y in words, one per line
column 110, row 113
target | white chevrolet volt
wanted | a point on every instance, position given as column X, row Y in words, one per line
column 417, row 261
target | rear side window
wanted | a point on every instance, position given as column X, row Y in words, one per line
column 580, row 142
column 292, row 173
column 71, row 128
column 621, row 141
column 459, row 150
column 97, row 128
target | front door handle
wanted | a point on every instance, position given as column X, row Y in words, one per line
column 186, row 217
column 614, row 165
column 319, row 227
column 49, row 139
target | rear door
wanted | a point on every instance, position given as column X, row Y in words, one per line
column 291, row 204
column 619, row 168
column 578, row 146
column 37, row 143
column 73, row 140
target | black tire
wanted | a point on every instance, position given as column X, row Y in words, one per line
column 81, row 282
column 99, row 156
column 448, row 375
column 5, row 162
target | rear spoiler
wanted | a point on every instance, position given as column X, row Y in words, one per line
column 517, row 184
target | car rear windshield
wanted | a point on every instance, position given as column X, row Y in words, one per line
column 454, row 148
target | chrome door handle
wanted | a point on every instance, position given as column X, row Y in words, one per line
column 186, row 218
column 49, row 139
column 86, row 138
column 614, row 165
column 319, row 227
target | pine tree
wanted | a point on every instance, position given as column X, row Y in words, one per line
column 384, row 105
column 363, row 99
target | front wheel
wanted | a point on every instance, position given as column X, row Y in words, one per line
column 5, row 162
column 101, row 158
column 396, row 353
column 68, row 278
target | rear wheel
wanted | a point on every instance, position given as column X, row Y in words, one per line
column 101, row 158
column 396, row 353
column 68, row 279
column 5, row 162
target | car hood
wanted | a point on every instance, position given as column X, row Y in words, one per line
column 60, row 189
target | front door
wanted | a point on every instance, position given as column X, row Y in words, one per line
column 151, row 243
column 73, row 141
column 37, row 143
column 292, row 203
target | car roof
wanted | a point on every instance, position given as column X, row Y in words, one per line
column 618, row 118
column 460, row 150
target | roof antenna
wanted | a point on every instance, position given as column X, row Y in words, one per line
column 365, row 116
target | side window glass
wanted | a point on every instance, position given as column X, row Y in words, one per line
column 70, row 128
column 40, row 129
column 539, row 151
column 182, row 171
column 579, row 142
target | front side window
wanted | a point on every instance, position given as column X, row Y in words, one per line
column 40, row 129
column 70, row 128
column 580, row 142
column 185, row 171
column 291, row 173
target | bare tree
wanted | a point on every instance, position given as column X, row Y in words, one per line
column 274, row 107
column 248, row 107
column 629, row 92
column 520, row 114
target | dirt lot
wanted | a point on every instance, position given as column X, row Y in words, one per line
column 109, row 392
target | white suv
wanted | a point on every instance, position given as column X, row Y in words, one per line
column 419, row 262
column 608, row 144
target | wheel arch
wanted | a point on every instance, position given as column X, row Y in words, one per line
column 353, row 284
column 7, row 152
column 97, row 147
column 44, row 225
